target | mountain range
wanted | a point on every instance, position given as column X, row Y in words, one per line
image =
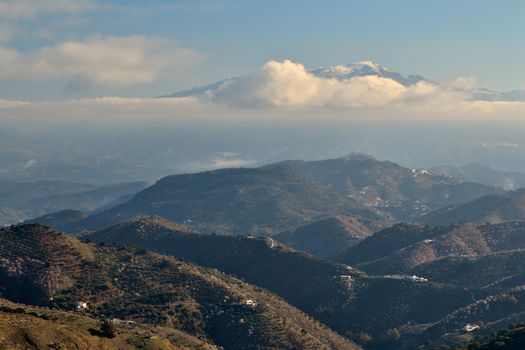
column 337, row 295
column 402, row 192
column 257, row 201
column 354, row 250
column 483, row 174
column 495, row 208
column 363, row 69
column 24, row 200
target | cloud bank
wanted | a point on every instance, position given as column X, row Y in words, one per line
column 289, row 85
column 99, row 60
column 276, row 90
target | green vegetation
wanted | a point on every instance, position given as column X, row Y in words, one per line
column 258, row 201
column 342, row 298
column 25, row 327
column 39, row 266
column 403, row 193
column 512, row 338
column 488, row 209
column 329, row 237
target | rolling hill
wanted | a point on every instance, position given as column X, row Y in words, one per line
column 402, row 192
column 343, row 298
column 41, row 267
column 259, row 201
column 509, row 206
column 486, row 261
column 406, row 249
column 329, row 237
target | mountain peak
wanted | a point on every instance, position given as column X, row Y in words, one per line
column 362, row 68
column 371, row 64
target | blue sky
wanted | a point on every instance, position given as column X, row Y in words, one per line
column 441, row 40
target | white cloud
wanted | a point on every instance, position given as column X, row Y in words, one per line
column 11, row 103
column 220, row 160
column 289, row 84
column 112, row 61
column 277, row 90
column 26, row 9
column 464, row 84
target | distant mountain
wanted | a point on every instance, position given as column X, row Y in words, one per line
column 483, row 174
column 64, row 220
column 22, row 200
column 258, row 201
column 329, row 237
column 39, row 266
column 491, row 208
column 363, row 69
column 341, row 72
column 402, row 192
column 14, row 194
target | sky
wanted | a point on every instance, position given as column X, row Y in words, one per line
column 189, row 43
column 79, row 81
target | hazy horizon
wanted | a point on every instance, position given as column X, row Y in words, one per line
column 79, row 82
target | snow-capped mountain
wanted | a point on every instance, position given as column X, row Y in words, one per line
column 365, row 68
column 368, row 68
column 341, row 72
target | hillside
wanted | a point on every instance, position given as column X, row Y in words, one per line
column 64, row 220
column 402, row 192
column 404, row 248
column 306, row 282
column 329, row 237
column 496, row 270
column 258, row 201
column 512, row 338
column 486, row 261
column 341, row 297
column 25, row 327
column 39, row 266
column 496, row 311
column 509, row 206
